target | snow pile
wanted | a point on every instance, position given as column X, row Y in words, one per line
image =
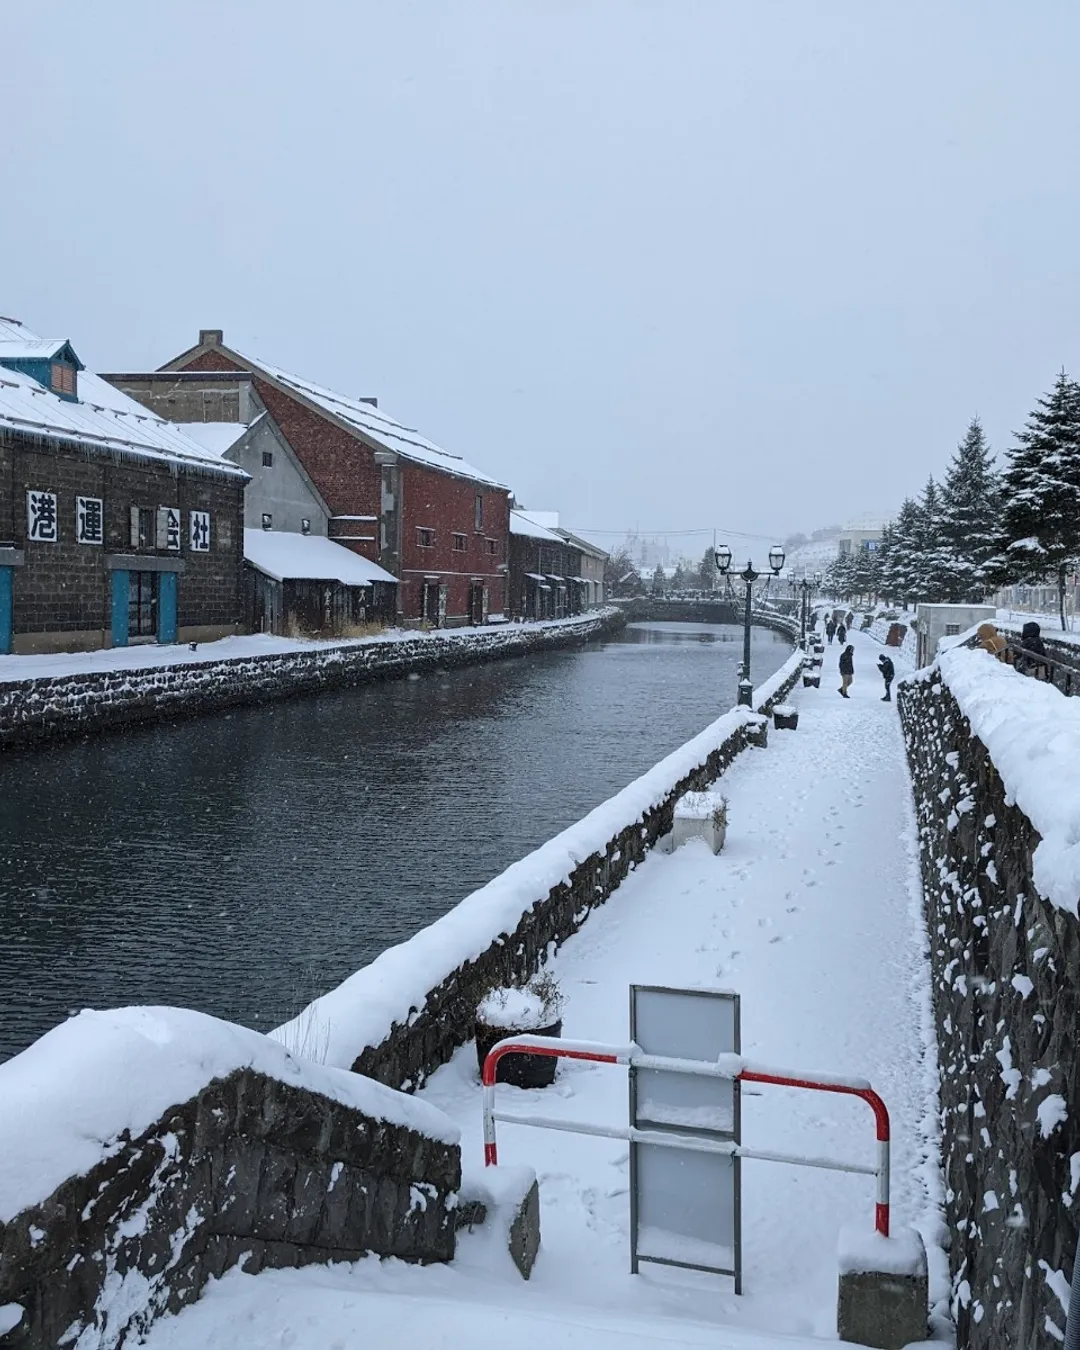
column 862, row 1250
column 66, row 1099
column 361, row 1011
column 515, row 1009
column 1032, row 734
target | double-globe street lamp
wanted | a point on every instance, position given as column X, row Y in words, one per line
column 807, row 586
column 748, row 576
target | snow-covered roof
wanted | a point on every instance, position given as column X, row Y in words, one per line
column 521, row 524
column 218, row 438
column 28, row 348
column 287, row 556
column 374, row 424
column 549, row 519
column 101, row 418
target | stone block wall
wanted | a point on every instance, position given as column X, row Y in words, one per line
column 36, row 711
column 252, row 1173
column 416, row 1047
column 1006, row 985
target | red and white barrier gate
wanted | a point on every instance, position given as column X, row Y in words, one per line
column 726, row 1066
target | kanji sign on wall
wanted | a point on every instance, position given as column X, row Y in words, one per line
column 41, row 517
column 89, row 520
column 199, row 531
column 168, row 528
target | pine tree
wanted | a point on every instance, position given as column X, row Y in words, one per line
column 678, row 578
column 707, row 570
column 900, row 579
column 1039, row 536
column 839, row 580
column 659, row 581
column 885, row 562
column 930, row 564
column 970, row 504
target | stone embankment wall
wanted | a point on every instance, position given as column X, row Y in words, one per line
column 373, row 1024
column 1006, row 984
column 252, row 1173
column 41, row 710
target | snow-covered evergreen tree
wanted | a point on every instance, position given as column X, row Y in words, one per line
column 659, row 581
column 899, row 573
column 839, row 579
column 1039, row 535
column 678, row 578
column 884, row 562
column 970, row 508
column 930, row 562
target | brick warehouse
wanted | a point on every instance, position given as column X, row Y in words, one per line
column 115, row 527
column 436, row 523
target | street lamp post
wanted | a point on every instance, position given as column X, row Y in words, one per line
column 748, row 576
column 808, row 587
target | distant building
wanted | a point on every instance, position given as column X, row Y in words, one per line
column 433, row 521
column 115, row 527
column 545, row 570
column 593, row 565
column 862, row 534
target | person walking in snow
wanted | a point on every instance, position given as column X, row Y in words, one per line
column 830, row 630
column 841, row 633
column 847, row 670
column 888, row 674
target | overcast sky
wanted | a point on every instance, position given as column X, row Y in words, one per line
column 678, row 263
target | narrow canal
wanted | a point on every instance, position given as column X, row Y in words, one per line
column 245, row 862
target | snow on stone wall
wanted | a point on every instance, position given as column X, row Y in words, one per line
column 405, row 1014
column 145, row 1150
column 983, row 747
column 44, row 709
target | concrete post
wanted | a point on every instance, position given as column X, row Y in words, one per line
column 883, row 1293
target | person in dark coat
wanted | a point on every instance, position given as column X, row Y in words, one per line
column 830, row 630
column 847, row 670
column 841, row 633
column 888, row 674
column 1031, row 641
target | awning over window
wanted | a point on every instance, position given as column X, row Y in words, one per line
column 534, row 576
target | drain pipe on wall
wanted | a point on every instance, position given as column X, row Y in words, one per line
column 1072, row 1319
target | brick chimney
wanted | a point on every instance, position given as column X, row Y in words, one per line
column 211, row 337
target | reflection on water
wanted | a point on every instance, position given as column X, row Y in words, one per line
column 244, row 862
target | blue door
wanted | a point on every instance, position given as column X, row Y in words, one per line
column 121, row 591
column 7, row 576
column 166, row 607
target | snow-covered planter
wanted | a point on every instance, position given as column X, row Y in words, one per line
column 535, row 1009
column 785, row 717
column 811, row 680
column 700, row 815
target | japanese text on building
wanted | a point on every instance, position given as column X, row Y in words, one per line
column 41, row 520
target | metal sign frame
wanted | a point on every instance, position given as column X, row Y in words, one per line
column 732, row 1135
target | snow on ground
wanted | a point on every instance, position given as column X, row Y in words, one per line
column 51, row 665
column 812, row 914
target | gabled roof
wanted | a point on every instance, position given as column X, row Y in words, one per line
column 371, row 423
column 287, row 556
column 33, row 349
column 522, row 525
column 218, row 438
column 585, row 545
column 101, row 418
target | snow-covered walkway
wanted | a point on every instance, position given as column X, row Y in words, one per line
column 811, row 914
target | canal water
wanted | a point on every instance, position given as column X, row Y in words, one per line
column 245, row 862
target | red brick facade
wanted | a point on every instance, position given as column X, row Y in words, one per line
column 454, row 575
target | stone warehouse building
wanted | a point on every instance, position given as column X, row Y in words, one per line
column 545, row 571
column 115, row 527
column 438, row 525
